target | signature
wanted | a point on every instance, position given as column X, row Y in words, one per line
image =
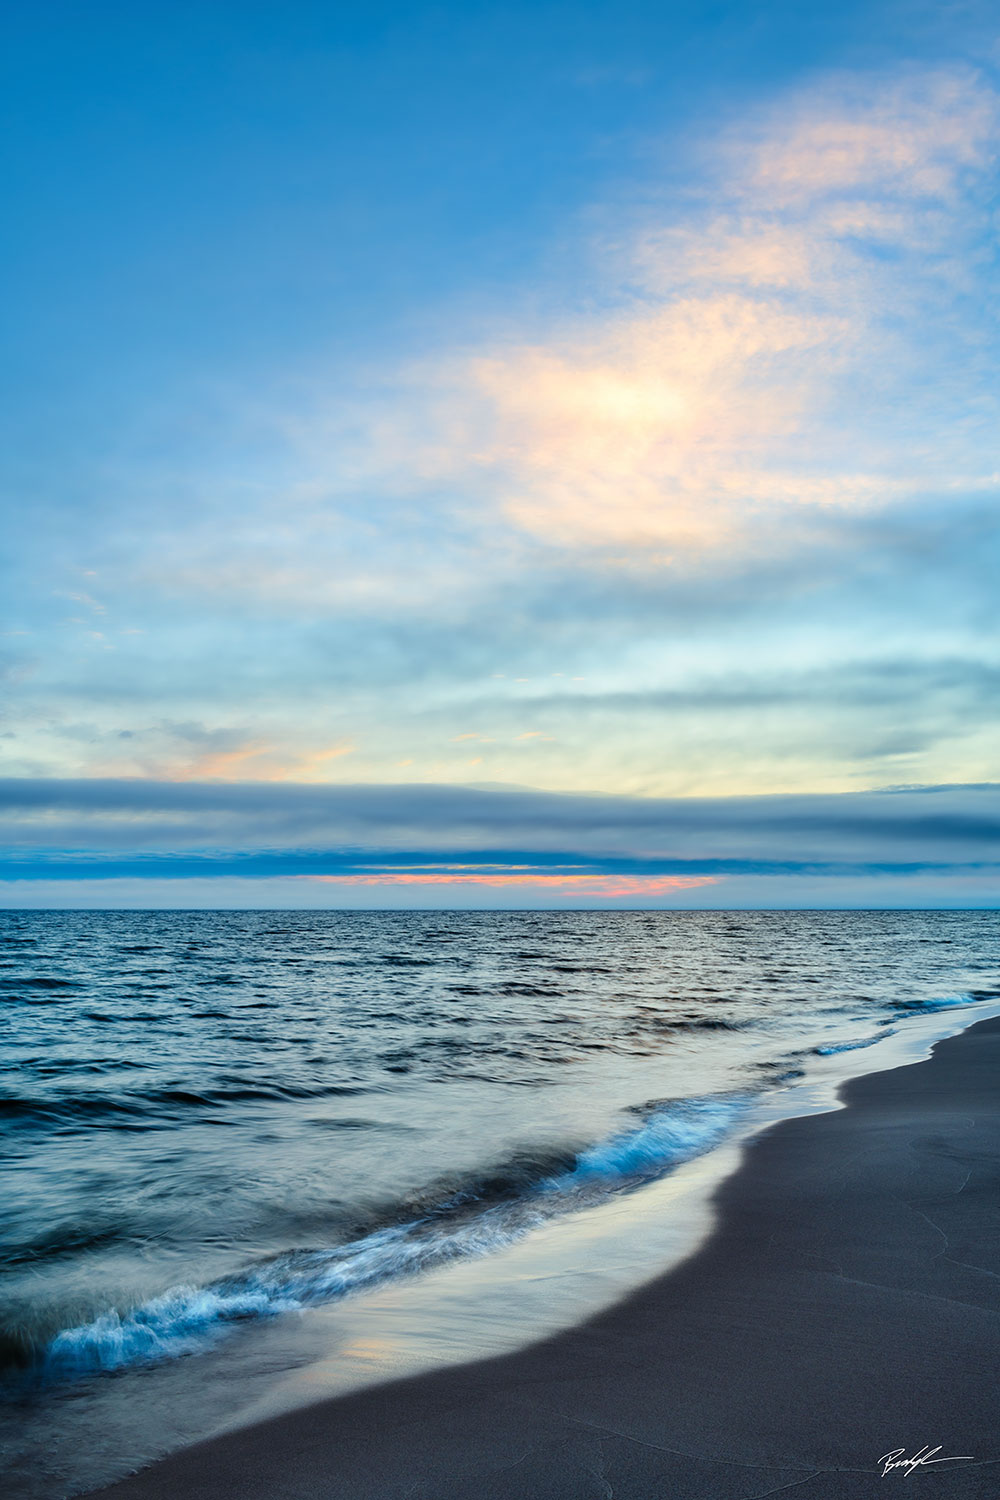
column 897, row 1459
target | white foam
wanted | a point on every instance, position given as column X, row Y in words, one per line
column 187, row 1318
column 865, row 1041
column 922, row 1007
column 674, row 1133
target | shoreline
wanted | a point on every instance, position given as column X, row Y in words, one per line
column 824, row 1322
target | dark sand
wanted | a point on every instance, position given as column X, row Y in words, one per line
column 847, row 1304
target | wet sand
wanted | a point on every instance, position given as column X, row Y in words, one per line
column 846, row 1305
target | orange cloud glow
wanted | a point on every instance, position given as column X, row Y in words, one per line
column 273, row 765
column 219, row 765
column 583, row 885
column 703, row 399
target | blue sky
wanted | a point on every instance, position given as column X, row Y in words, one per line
column 582, row 401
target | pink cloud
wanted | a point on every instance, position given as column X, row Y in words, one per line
column 609, row 886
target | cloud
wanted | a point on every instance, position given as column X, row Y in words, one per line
column 591, row 887
column 706, row 400
column 189, row 751
column 118, row 828
column 870, row 138
column 270, row 764
column 785, row 339
column 796, row 890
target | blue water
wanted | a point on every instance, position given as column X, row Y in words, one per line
column 210, row 1118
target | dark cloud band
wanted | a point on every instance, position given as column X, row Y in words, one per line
column 61, row 828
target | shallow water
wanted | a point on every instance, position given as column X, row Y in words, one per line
column 211, row 1120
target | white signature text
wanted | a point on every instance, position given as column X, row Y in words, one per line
column 897, row 1459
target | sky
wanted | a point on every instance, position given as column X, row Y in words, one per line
column 500, row 455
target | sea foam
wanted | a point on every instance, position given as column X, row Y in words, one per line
column 188, row 1318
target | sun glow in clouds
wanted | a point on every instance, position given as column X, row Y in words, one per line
column 713, row 397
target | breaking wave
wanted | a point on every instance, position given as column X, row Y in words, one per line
column 925, row 1007
column 488, row 1213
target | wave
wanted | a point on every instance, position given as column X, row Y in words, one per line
column 150, row 1109
column 38, row 982
column 702, row 1023
column 925, row 1007
column 865, row 1041
column 902, row 1008
column 674, row 1130
column 479, row 1217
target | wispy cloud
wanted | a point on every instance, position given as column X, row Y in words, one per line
column 711, row 397
column 748, row 353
